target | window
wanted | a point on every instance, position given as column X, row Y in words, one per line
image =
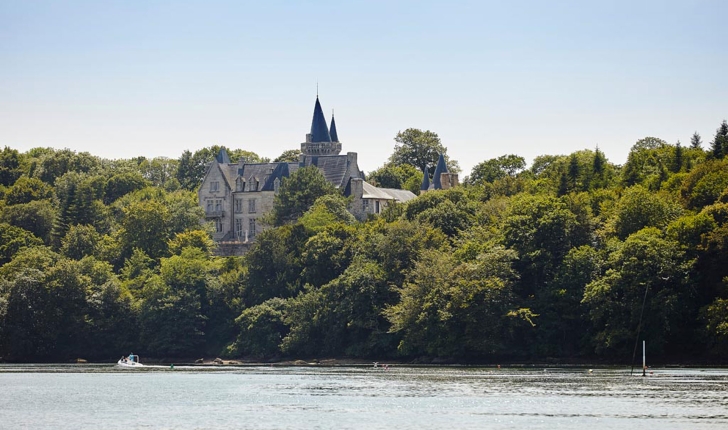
column 239, row 184
column 238, row 206
column 209, row 206
column 251, row 206
column 376, row 206
column 251, row 227
column 218, row 205
column 218, row 225
column 239, row 228
column 214, row 186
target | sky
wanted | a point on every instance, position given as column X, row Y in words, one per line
column 121, row 79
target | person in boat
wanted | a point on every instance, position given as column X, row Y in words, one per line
column 131, row 357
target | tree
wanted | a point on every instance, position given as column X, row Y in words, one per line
column 146, row 226
column 420, row 149
column 704, row 184
column 327, row 210
column 13, row 239
column 10, row 169
column 28, row 189
column 262, row 329
column 462, row 310
column 288, row 156
column 496, row 168
column 199, row 239
column 36, row 217
column 297, row 194
column 677, row 163
column 695, row 141
column 122, row 184
column 80, row 241
column 54, row 164
column 638, row 208
column 719, row 146
column 404, row 176
column 644, row 262
column 274, row 264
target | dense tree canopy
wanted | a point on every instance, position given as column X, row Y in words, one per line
column 552, row 261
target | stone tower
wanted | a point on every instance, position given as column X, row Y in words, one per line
column 321, row 140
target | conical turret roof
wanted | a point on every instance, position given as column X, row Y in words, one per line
column 425, row 180
column 319, row 129
column 440, row 169
column 332, row 132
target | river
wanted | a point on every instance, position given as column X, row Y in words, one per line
column 104, row 397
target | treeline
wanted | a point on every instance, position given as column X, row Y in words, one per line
column 563, row 260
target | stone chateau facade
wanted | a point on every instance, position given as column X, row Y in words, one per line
column 235, row 195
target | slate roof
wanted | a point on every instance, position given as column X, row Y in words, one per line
column 319, row 129
column 441, row 168
column 332, row 131
column 425, row 180
column 222, row 156
column 264, row 173
column 334, row 167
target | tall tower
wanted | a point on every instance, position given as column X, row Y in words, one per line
column 319, row 141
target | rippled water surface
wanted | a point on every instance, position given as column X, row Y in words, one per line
column 103, row 397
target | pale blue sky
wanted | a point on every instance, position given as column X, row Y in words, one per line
column 128, row 78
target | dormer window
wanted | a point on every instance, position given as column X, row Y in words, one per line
column 239, row 184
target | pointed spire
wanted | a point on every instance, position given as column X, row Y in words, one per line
column 425, row 180
column 332, row 131
column 440, row 169
column 319, row 129
column 222, row 156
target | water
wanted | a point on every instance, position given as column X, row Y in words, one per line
column 103, row 397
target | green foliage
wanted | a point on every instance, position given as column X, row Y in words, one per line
column 420, row 149
column 496, row 168
column 704, row 184
column 37, row 217
column 298, row 193
column 199, row 239
column 716, row 327
column 10, row 166
column 403, row 176
column 274, row 264
column 638, row 208
column 343, row 315
column 146, row 226
column 80, row 241
column 547, row 263
column 13, row 239
column 326, row 210
column 455, row 310
column 54, row 164
column 262, row 328
column 289, row 156
column 27, row 190
column 123, row 183
column 646, row 261
column 719, row 146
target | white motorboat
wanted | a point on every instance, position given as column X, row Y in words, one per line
column 130, row 361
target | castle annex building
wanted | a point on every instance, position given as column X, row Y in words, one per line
column 236, row 194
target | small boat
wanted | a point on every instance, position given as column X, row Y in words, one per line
column 130, row 361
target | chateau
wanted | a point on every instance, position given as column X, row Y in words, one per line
column 236, row 194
